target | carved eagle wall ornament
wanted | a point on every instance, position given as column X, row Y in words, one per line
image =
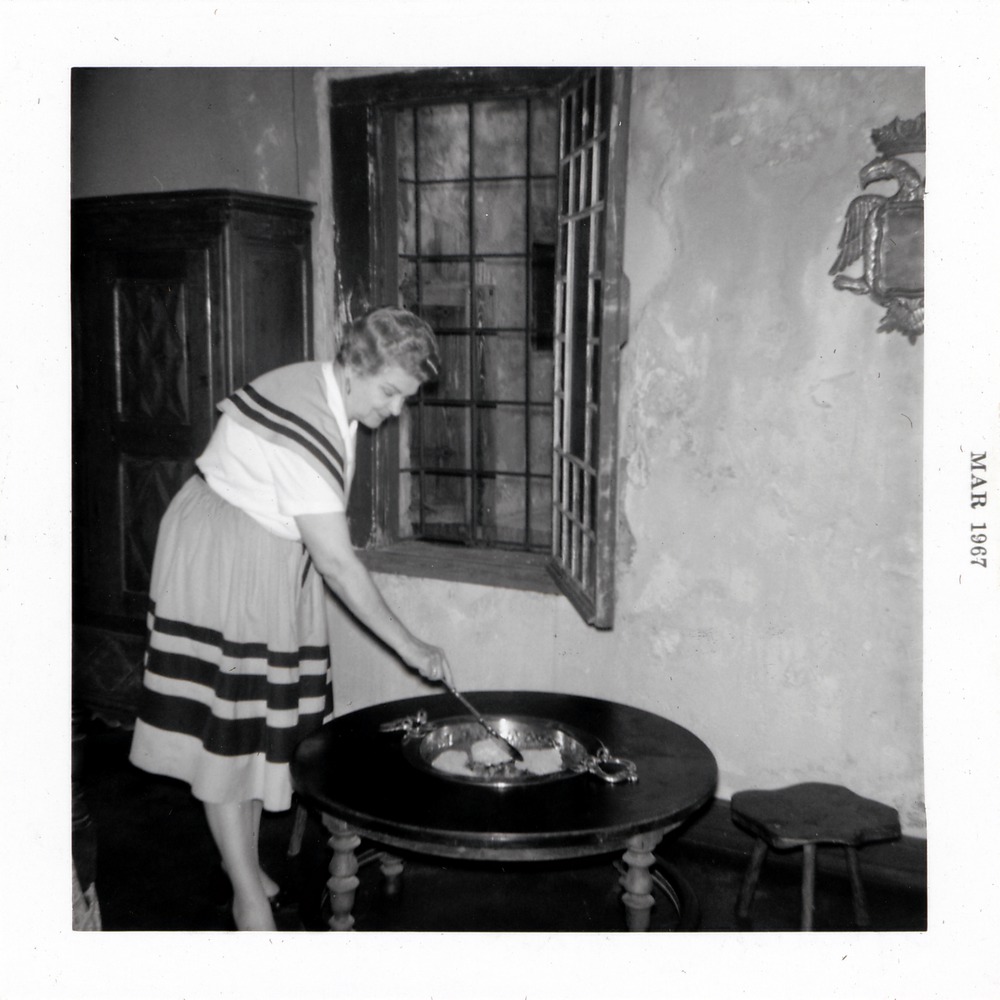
column 887, row 234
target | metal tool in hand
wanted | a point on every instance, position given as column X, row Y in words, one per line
column 508, row 746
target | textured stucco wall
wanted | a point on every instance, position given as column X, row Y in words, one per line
column 772, row 440
column 769, row 586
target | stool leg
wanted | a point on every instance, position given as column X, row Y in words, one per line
column 861, row 917
column 637, row 882
column 750, row 879
column 343, row 880
column 808, row 884
column 392, row 873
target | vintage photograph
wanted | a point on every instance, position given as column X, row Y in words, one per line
column 497, row 498
column 497, row 503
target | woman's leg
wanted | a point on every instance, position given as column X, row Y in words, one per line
column 271, row 888
column 232, row 826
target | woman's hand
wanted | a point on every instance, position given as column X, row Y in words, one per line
column 429, row 661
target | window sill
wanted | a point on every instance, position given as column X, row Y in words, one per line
column 484, row 567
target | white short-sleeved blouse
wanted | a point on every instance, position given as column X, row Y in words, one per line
column 271, row 483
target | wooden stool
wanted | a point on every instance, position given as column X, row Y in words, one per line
column 804, row 816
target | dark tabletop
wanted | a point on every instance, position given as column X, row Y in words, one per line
column 354, row 772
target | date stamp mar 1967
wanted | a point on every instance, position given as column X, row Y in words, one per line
column 977, row 501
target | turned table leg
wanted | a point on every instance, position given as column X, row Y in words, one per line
column 343, row 881
column 637, row 881
column 392, row 871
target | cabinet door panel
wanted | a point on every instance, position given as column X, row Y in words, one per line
column 148, row 415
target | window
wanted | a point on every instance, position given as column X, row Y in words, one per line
column 490, row 202
column 476, row 216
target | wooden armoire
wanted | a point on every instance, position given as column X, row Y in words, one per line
column 178, row 299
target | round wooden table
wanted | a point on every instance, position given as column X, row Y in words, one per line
column 359, row 780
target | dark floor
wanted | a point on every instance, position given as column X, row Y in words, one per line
column 157, row 870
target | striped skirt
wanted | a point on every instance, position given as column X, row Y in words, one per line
column 237, row 670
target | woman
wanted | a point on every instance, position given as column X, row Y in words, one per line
column 238, row 666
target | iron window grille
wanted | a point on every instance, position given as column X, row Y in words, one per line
column 516, row 261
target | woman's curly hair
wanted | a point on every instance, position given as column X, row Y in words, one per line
column 390, row 336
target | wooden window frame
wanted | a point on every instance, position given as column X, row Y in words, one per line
column 361, row 121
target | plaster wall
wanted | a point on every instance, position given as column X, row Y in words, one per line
column 771, row 442
column 769, row 552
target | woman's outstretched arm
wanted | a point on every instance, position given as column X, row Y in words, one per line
column 328, row 540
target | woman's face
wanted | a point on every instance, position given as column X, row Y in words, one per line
column 375, row 398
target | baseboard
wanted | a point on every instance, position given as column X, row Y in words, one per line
column 901, row 863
